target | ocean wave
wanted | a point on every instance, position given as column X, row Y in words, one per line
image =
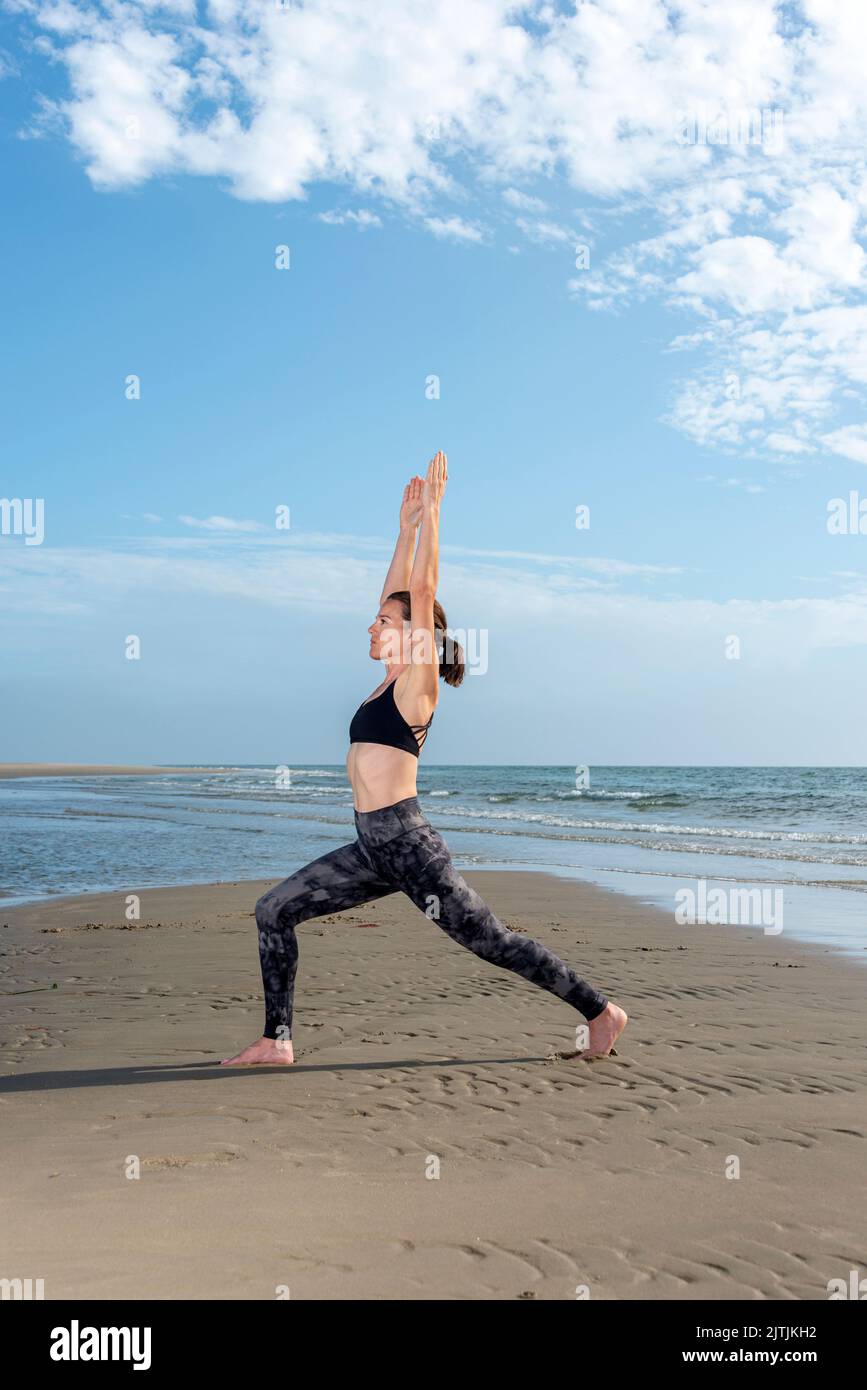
column 661, row 828
column 600, row 794
column 743, row 849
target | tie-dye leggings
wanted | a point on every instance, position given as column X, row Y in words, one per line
column 398, row 850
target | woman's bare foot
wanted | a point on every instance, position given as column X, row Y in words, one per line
column 266, row 1052
column 604, row 1031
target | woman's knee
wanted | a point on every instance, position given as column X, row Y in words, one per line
column 267, row 912
column 285, row 906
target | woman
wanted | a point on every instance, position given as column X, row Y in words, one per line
column 396, row 848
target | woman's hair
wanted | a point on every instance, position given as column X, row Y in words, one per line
column 450, row 652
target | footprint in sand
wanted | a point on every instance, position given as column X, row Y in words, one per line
column 570, row 1056
column 186, row 1160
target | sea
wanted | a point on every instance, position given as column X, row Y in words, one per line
column 781, row 848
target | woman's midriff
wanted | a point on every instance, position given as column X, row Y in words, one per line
column 380, row 775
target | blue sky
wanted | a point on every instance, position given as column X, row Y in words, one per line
column 700, row 385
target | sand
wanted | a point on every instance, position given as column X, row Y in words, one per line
column 415, row 1057
column 91, row 770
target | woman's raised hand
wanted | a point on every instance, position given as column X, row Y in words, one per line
column 435, row 482
column 411, row 507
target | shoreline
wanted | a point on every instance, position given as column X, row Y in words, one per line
column 567, row 877
column 592, row 880
column 552, row 1174
column 10, row 770
column 182, row 825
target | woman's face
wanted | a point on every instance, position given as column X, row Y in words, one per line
column 387, row 633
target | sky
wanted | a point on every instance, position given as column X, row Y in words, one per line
column 607, row 256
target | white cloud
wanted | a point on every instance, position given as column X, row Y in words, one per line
column 597, row 564
column 746, row 483
column 511, row 593
column 623, row 568
column 453, row 228
column 787, row 444
column 222, row 523
column 384, row 96
column 362, row 219
column 545, row 232
column 516, row 199
column 437, row 105
column 850, row 441
column 764, row 385
column 753, row 276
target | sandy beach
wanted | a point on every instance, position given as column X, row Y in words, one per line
column 415, row 1058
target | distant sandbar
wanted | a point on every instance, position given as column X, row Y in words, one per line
column 92, row 770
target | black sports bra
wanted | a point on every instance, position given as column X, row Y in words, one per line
column 378, row 722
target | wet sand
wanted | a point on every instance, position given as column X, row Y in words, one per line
column 416, row 1058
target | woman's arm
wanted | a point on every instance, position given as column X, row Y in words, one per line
column 401, row 563
column 424, row 675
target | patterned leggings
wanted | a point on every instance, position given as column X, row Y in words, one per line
column 398, row 850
